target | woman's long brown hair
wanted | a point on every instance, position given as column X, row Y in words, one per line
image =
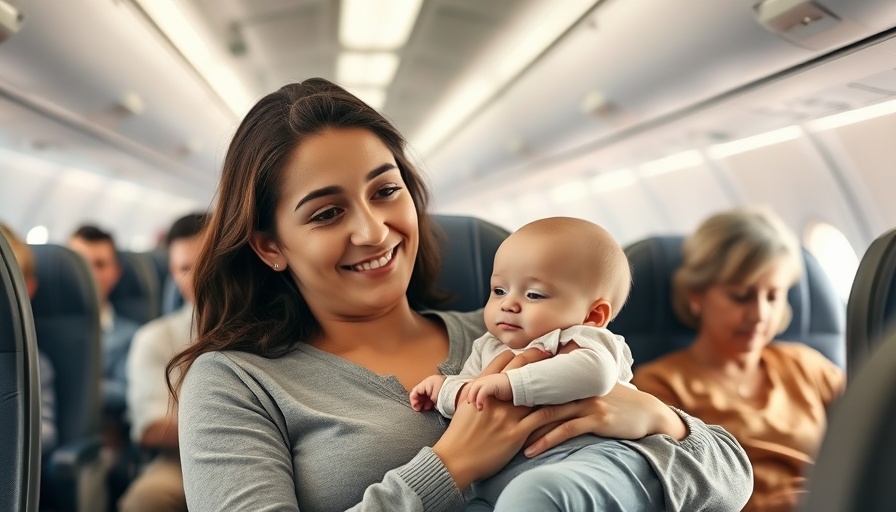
column 241, row 304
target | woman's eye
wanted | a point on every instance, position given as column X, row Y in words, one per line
column 387, row 191
column 326, row 215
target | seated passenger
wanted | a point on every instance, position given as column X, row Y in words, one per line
column 160, row 486
column 732, row 288
column 98, row 248
column 25, row 259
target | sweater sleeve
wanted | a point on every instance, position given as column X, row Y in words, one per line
column 229, row 429
column 706, row 471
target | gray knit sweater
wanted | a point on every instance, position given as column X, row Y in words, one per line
column 311, row 431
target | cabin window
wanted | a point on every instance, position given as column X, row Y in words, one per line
column 38, row 235
column 835, row 254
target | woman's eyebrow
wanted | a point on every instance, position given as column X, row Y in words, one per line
column 335, row 189
column 321, row 192
column 380, row 170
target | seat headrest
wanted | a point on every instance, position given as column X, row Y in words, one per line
column 647, row 320
column 871, row 310
column 65, row 285
column 66, row 319
column 468, row 251
column 136, row 295
column 650, row 327
column 854, row 469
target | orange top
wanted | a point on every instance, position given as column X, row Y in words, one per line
column 780, row 432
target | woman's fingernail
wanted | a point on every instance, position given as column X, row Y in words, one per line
column 530, row 451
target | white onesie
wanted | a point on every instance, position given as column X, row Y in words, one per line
column 602, row 360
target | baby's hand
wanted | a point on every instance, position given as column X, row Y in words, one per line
column 496, row 385
column 424, row 395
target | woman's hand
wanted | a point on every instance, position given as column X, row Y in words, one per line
column 478, row 443
column 623, row 413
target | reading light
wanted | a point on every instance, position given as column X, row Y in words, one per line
column 376, row 24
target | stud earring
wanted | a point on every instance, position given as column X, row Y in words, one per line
column 276, row 266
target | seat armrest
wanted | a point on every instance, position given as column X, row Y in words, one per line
column 64, row 461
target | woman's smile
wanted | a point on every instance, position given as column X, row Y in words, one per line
column 383, row 261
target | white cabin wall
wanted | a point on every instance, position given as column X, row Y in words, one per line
column 792, row 178
column 864, row 152
column 37, row 192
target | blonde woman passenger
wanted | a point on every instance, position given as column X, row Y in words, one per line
column 732, row 288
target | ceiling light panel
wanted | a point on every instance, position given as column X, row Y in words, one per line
column 369, row 69
column 377, row 24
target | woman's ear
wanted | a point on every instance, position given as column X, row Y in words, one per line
column 600, row 314
column 267, row 249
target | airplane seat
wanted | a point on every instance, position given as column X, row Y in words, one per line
column 468, row 251
column 136, row 296
column 651, row 329
column 66, row 320
column 871, row 309
column 20, row 389
column 854, row 469
column 171, row 299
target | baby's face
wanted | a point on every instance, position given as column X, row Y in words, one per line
column 532, row 294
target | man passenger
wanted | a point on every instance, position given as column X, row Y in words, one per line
column 160, row 486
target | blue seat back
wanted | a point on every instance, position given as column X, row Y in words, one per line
column 854, row 469
column 871, row 310
column 66, row 319
column 19, row 391
column 650, row 327
column 468, row 251
column 136, row 295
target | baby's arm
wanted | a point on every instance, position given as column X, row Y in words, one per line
column 496, row 385
column 591, row 370
column 425, row 395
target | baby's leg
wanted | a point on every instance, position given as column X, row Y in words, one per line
column 488, row 490
column 606, row 476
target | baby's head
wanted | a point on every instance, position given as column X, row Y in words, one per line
column 554, row 273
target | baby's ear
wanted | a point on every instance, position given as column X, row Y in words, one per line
column 600, row 314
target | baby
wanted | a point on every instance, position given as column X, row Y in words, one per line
column 557, row 282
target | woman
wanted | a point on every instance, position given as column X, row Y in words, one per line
column 295, row 395
column 732, row 288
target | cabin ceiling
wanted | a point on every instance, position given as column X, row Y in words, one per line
column 96, row 84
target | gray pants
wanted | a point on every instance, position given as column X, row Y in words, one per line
column 588, row 473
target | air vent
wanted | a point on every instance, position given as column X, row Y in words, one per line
column 805, row 23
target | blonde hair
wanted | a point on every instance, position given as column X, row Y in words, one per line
column 23, row 254
column 733, row 247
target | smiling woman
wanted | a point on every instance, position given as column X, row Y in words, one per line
column 307, row 344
